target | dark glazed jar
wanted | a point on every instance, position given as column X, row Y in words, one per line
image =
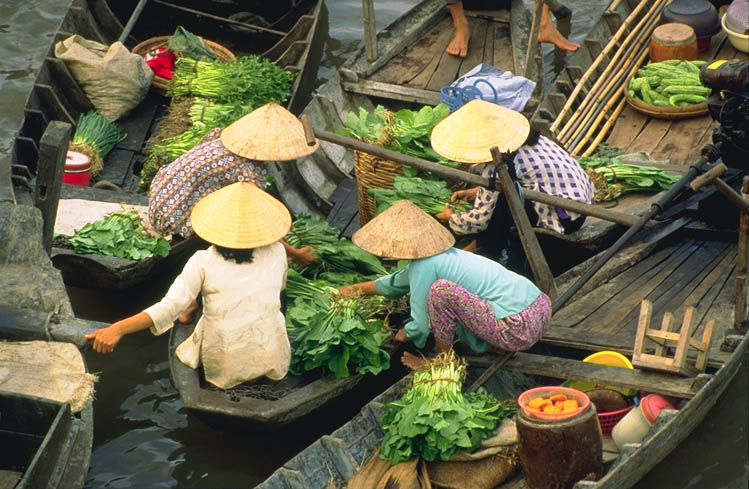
column 701, row 15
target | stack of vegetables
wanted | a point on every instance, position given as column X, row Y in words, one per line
column 95, row 136
column 669, row 83
column 434, row 419
column 405, row 131
column 429, row 195
column 341, row 261
column 223, row 92
column 612, row 178
column 119, row 234
column 334, row 333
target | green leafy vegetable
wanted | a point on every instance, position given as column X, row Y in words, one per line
column 429, row 195
column 94, row 131
column 119, row 234
column 613, row 178
column 434, row 419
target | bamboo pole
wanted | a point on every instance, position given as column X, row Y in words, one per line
column 539, row 265
column 619, row 94
column 470, row 178
column 530, row 54
column 636, row 37
column 739, row 312
column 221, row 19
column 370, row 31
column 615, row 4
column 605, row 129
column 589, row 72
column 613, row 80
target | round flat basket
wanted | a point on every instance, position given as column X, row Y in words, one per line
column 664, row 112
column 372, row 172
column 161, row 84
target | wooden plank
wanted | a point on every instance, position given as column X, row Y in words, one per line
column 476, row 44
column 651, row 135
column 344, row 204
column 445, row 73
column 564, row 368
column 629, row 299
column 489, row 44
column 393, row 92
column 627, row 128
column 52, row 150
column 679, row 146
column 407, row 65
column 575, row 312
column 138, row 122
column 502, row 55
column 118, row 166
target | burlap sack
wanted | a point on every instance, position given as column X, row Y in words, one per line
column 114, row 79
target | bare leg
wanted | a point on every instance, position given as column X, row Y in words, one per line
column 188, row 314
column 459, row 44
column 547, row 32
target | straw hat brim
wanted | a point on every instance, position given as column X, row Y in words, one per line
column 403, row 232
column 240, row 216
column 468, row 134
column 268, row 133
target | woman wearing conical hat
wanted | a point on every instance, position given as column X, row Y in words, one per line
column 237, row 153
column 241, row 334
column 455, row 294
column 538, row 164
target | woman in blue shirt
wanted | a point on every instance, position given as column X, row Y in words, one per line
column 454, row 293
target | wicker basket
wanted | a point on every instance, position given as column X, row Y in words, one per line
column 161, row 84
column 372, row 172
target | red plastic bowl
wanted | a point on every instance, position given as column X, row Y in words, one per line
column 582, row 400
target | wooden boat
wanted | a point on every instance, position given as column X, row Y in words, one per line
column 264, row 402
column 42, row 443
column 291, row 41
column 617, row 43
column 675, row 272
column 411, row 66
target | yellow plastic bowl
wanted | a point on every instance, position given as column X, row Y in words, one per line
column 611, row 359
column 739, row 41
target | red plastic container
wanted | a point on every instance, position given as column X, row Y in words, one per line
column 77, row 169
column 583, row 401
column 610, row 418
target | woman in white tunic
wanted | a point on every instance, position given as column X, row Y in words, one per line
column 242, row 332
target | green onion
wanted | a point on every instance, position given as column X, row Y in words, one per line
column 96, row 132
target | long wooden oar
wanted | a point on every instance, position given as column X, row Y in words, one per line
column 132, row 20
column 470, row 178
column 655, row 208
column 221, row 19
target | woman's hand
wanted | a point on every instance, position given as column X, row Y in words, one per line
column 305, row 256
column 364, row 288
column 444, row 216
column 469, row 194
column 401, row 336
column 105, row 339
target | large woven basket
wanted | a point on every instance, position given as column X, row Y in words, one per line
column 372, row 172
column 161, row 84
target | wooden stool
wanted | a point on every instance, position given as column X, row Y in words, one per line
column 665, row 338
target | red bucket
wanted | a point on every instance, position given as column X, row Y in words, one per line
column 77, row 169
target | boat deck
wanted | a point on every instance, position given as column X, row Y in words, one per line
column 685, row 271
column 421, row 69
column 679, row 141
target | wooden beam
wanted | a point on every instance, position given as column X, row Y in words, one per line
column 53, row 149
column 739, row 311
column 393, row 91
column 370, row 32
column 533, row 252
column 533, row 40
column 564, row 368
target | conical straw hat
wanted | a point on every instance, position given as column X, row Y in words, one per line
column 240, row 216
column 468, row 134
column 268, row 133
column 403, row 232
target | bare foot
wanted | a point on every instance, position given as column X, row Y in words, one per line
column 412, row 361
column 459, row 44
column 547, row 32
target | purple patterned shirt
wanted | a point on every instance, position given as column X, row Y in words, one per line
column 543, row 167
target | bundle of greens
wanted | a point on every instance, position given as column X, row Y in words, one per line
column 345, row 262
column 332, row 332
column 95, row 136
column 434, row 419
column 429, row 195
column 613, row 178
column 249, row 80
column 119, row 234
column 405, row 131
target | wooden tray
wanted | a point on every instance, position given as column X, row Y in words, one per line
column 664, row 112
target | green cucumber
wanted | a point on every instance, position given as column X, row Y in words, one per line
column 687, row 89
column 686, row 99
